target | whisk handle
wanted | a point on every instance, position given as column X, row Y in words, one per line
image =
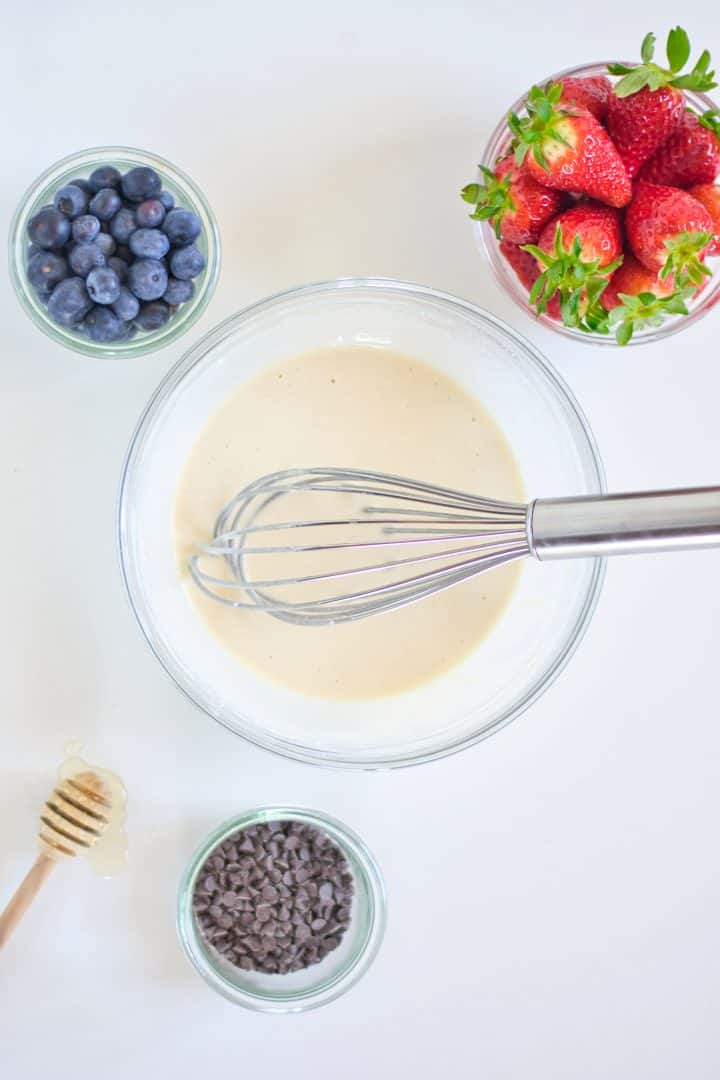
column 625, row 524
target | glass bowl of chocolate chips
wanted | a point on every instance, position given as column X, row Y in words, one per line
column 281, row 909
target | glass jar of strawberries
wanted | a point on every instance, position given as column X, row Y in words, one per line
column 598, row 201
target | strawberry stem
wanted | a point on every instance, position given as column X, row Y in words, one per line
column 491, row 199
column 684, row 251
column 578, row 283
column 540, row 124
column 653, row 76
column 647, row 310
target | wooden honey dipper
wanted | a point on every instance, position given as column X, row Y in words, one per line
column 72, row 821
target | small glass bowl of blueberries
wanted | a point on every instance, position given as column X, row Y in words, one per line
column 114, row 251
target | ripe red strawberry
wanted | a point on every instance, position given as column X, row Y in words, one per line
column 637, row 298
column 690, row 156
column 515, row 204
column 591, row 93
column 527, row 271
column 709, row 196
column 577, row 252
column 647, row 103
column 566, row 148
column 669, row 231
column 631, row 279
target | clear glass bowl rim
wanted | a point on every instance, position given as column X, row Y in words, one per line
column 295, row 750
column 361, row 959
column 138, row 346
column 504, row 274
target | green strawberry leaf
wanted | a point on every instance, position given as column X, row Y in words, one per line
column 492, row 200
column 678, row 49
column 653, row 76
column 578, row 283
column 647, row 310
column 711, row 121
column 531, row 132
column 684, row 251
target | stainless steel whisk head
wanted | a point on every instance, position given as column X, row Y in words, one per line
column 427, row 537
column 363, row 543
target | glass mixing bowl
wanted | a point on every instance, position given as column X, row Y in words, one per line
column 551, row 605
column 187, row 195
column 497, row 147
column 316, row 985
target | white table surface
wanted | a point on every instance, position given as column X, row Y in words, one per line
column 554, row 892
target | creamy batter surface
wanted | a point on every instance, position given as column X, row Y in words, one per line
column 357, row 407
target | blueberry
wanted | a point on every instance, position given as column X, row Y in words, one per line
column 166, row 199
column 106, row 243
column 85, row 228
column 86, row 257
column 69, row 302
column 126, row 306
column 150, row 214
column 107, row 176
column 82, row 184
column 152, row 316
column 103, row 325
column 149, row 244
column 186, row 263
column 123, row 225
column 148, row 279
column 103, row 285
column 182, row 227
column 141, row 183
column 71, row 201
column 49, row 228
column 45, row 270
column 105, row 204
column 178, row 292
column 119, row 266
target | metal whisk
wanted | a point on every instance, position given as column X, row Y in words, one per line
column 378, row 542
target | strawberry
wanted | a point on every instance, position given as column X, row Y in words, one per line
column 709, row 196
column 577, row 252
column 527, row 271
column 690, row 156
column 637, row 299
column 591, row 93
column 648, row 101
column 515, row 204
column 632, row 278
column 566, row 148
column 669, row 231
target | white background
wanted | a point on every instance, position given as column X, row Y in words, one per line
column 554, row 892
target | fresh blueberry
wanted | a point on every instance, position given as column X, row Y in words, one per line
column 124, row 253
column 86, row 257
column 166, row 199
column 85, row 228
column 178, row 292
column 106, row 243
column 182, row 227
column 148, row 279
column 82, row 184
column 103, row 325
column 152, row 316
column 123, row 225
column 71, row 201
column 141, row 183
column 45, row 270
column 107, row 176
column 149, row 244
column 127, row 305
column 69, row 302
column 103, row 285
column 49, row 228
column 150, row 214
column 186, row 263
column 119, row 266
column 105, row 204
